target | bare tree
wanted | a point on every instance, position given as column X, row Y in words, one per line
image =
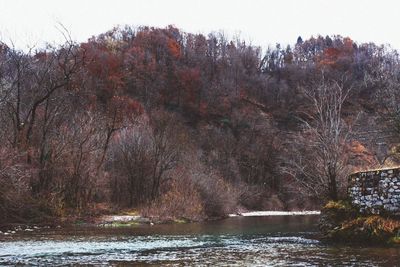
column 130, row 164
column 319, row 158
column 30, row 81
column 166, row 147
column 142, row 155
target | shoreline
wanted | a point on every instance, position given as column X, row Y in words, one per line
column 107, row 219
column 276, row 213
column 118, row 220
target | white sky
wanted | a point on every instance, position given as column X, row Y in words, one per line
column 263, row 23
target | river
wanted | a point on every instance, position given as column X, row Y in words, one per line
column 238, row 241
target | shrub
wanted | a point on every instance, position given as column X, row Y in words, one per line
column 181, row 201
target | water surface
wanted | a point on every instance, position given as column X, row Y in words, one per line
column 239, row 241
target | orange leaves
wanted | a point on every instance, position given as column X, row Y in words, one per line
column 360, row 155
column 348, row 44
column 159, row 43
column 338, row 56
column 330, row 56
column 174, row 48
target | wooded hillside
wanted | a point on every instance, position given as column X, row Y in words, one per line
column 190, row 126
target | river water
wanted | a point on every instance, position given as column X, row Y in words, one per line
column 238, row 241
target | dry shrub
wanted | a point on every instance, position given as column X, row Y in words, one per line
column 255, row 197
column 16, row 201
column 181, row 201
column 194, row 194
column 250, row 196
column 373, row 228
column 219, row 197
column 379, row 224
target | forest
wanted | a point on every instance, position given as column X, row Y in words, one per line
column 193, row 126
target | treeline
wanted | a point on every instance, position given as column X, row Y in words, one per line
column 184, row 125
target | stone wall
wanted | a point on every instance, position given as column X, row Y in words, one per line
column 376, row 191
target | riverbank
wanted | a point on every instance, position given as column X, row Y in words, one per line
column 276, row 213
column 341, row 222
column 132, row 219
column 127, row 220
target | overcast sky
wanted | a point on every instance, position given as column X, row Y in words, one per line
column 29, row 22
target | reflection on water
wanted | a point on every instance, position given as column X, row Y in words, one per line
column 256, row 241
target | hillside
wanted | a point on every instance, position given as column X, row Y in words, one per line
column 182, row 125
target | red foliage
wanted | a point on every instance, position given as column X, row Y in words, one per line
column 125, row 106
column 104, row 64
column 174, row 48
column 337, row 57
column 190, row 82
column 41, row 56
column 330, row 56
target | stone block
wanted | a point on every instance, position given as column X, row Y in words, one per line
column 387, row 206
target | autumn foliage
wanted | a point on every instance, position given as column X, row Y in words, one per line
column 174, row 123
